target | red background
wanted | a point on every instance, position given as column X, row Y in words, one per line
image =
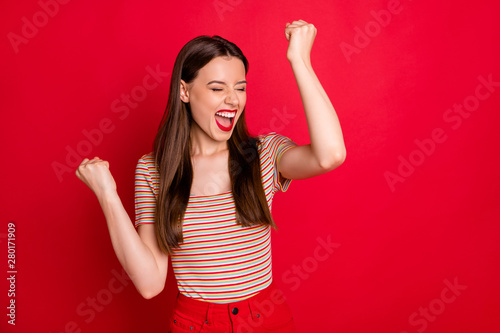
column 397, row 242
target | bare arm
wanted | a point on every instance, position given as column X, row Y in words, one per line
column 326, row 150
column 138, row 252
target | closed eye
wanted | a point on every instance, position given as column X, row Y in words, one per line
column 216, row 89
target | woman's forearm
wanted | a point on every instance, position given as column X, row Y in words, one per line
column 134, row 255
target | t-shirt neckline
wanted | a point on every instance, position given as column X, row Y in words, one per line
column 211, row 195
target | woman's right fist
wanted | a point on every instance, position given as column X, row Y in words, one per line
column 96, row 175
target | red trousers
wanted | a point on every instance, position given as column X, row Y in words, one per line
column 267, row 311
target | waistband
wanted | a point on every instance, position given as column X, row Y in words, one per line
column 196, row 305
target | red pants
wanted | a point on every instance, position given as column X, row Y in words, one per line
column 267, row 311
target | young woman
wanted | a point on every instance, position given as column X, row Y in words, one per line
column 204, row 194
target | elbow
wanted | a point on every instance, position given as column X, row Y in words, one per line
column 335, row 160
column 151, row 292
column 148, row 294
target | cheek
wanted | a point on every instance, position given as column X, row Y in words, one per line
column 201, row 104
column 243, row 100
column 208, row 102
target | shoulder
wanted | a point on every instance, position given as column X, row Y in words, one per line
column 272, row 142
column 146, row 164
column 272, row 146
column 265, row 140
column 149, row 157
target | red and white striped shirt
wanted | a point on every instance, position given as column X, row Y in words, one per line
column 218, row 261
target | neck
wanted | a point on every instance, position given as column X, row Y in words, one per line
column 202, row 144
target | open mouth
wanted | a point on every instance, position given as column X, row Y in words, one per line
column 225, row 119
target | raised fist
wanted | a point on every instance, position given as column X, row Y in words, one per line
column 300, row 36
column 96, row 175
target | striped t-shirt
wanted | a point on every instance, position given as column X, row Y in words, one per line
column 218, row 261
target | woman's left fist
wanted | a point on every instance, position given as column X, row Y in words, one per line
column 300, row 36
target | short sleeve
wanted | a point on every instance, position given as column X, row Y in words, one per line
column 274, row 145
column 145, row 196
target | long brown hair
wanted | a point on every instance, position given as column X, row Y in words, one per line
column 172, row 151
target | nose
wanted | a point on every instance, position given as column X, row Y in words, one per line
column 231, row 98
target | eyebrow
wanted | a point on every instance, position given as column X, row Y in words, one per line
column 221, row 82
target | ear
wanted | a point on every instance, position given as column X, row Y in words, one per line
column 184, row 92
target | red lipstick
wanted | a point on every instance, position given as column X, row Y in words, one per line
column 225, row 120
